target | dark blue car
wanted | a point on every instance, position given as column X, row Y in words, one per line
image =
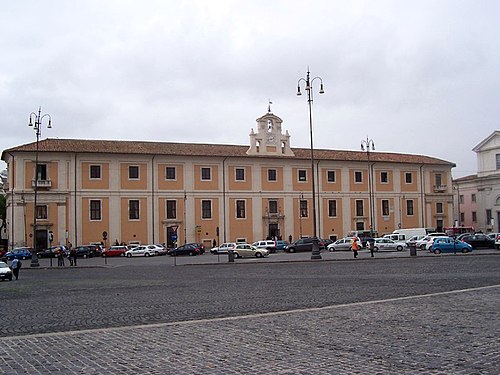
column 19, row 253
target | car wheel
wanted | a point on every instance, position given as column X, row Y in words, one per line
column 191, row 253
column 84, row 256
column 129, row 255
column 122, row 254
column 437, row 251
column 10, row 278
column 422, row 247
column 157, row 253
column 146, row 254
column 331, row 249
column 258, row 255
column 236, row 255
column 465, row 250
column 375, row 249
column 291, row 250
column 24, row 258
column 400, row 248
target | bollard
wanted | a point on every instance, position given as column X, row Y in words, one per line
column 413, row 250
column 230, row 256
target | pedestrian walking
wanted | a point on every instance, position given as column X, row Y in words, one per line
column 72, row 257
column 355, row 247
column 372, row 246
column 60, row 257
column 16, row 266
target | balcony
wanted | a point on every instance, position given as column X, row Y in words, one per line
column 440, row 188
column 43, row 184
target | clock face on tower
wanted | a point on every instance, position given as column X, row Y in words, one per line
column 271, row 138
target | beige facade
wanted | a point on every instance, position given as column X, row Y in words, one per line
column 160, row 192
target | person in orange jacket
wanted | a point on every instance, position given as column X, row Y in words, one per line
column 355, row 247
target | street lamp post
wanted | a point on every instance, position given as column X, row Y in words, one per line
column 309, row 88
column 366, row 145
column 36, row 120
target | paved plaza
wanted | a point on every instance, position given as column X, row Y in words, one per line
column 428, row 315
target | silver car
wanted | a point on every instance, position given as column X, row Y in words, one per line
column 343, row 244
column 140, row 251
column 247, row 250
column 386, row 244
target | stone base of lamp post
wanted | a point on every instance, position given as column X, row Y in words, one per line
column 316, row 254
column 34, row 261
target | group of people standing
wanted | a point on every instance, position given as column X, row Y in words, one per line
column 355, row 247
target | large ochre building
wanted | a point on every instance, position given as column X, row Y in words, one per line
column 161, row 192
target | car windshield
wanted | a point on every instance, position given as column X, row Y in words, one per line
column 3, row 265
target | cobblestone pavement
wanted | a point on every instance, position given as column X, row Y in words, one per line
column 437, row 315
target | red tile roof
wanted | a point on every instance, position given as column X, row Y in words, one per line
column 198, row 149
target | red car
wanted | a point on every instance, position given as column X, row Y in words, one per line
column 115, row 251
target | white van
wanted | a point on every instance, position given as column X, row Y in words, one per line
column 406, row 234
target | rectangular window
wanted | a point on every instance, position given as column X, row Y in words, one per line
column 385, row 207
column 473, row 197
column 462, row 217
column 474, row 216
column 409, row 207
column 302, row 175
column 95, row 209
column 439, row 208
column 488, row 217
column 438, row 179
column 41, row 212
column 206, row 173
column 170, row 173
column 273, row 206
column 330, row 175
column 41, row 172
column 303, row 209
column 240, row 209
column 271, row 175
column 461, row 199
column 206, row 209
column 133, row 209
column 240, row 174
column 498, row 160
column 359, row 207
column 358, row 176
column 133, row 172
column 332, row 208
column 408, row 177
column 171, row 209
column 95, row 172
column 384, row 177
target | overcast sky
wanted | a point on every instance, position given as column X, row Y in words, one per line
column 420, row 77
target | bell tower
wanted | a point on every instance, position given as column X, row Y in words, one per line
column 269, row 139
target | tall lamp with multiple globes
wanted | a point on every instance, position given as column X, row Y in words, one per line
column 36, row 120
column 367, row 145
column 308, row 82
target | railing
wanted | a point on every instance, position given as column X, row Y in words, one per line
column 440, row 188
column 47, row 184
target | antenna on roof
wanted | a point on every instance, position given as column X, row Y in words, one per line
column 269, row 106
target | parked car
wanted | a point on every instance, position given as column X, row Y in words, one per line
column 497, row 242
column 386, row 244
column 247, row 250
column 115, row 251
column 479, row 241
column 422, row 243
column 223, row 248
column 84, row 251
column 19, row 253
column 140, row 251
column 412, row 241
column 158, row 249
column 190, row 249
column 5, row 272
column 449, row 245
column 266, row 244
column 302, row 244
column 200, row 246
column 342, row 244
column 281, row 245
column 51, row 252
